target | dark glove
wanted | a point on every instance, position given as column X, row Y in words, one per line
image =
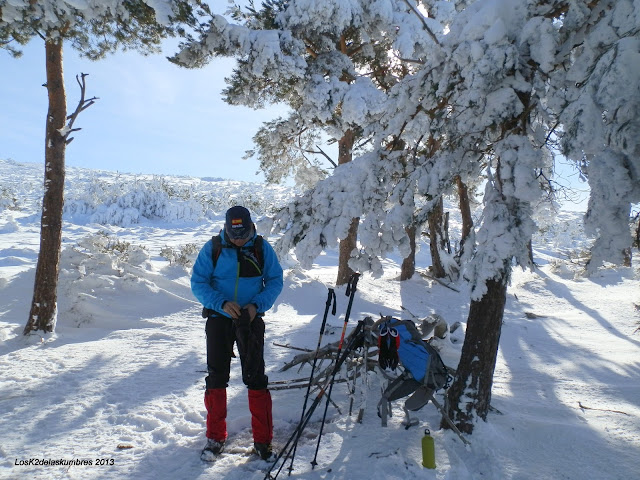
column 388, row 347
column 243, row 322
column 242, row 331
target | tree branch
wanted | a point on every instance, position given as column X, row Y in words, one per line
column 584, row 407
column 335, row 165
column 410, row 60
column 83, row 104
column 424, row 24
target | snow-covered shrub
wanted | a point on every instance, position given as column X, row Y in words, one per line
column 125, row 203
column 125, row 200
column 96, row 271
column 21, row 186
column 564, row 234
column 185, row 255
column 8, row 198
column 103, row 253
column 571, row 264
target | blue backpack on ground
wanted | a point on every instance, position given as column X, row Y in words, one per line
column 400, row 340
column 425, row 373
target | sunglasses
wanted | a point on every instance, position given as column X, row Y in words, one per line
column 240, row 234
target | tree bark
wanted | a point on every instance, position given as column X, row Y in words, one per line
column 348, row 244
column 436, row 239
column 470, row 394
column 409, row 264
column 44, row 304
column 465, row 211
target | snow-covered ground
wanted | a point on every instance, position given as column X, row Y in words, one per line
column 120, row 382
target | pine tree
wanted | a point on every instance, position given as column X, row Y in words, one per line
column 501, row 59
column 331, row 63
column 595, row 95
column 94, row 29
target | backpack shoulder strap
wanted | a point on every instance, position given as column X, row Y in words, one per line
column 217, row 248
column 258, row 248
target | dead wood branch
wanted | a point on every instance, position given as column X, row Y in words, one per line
column 328, row 351
column 83, row 104
column 583, row 407
column 292, row 347
column 444, row 284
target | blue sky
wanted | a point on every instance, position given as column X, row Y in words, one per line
column 151, row 116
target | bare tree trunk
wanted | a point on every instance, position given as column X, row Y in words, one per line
column 44, row 305
column 465, row 211
column 436, row 238
column 478, row 359
column 346, row 247
column 446, row 242
column 409, row 263
column 348, row 244
column 530, row 250
column 408, row 268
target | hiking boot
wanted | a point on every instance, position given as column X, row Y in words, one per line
column 211, row 450
column 265, row 451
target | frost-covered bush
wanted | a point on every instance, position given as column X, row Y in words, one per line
column 103, row 253
column 565, row 234
column 8, row 198
column 21, row 186
column 111, row 198
column 103, row 279
column 125, row 200
column 185, row 255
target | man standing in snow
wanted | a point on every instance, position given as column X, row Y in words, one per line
column 237, row 277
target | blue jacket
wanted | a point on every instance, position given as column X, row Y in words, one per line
column 213, row 288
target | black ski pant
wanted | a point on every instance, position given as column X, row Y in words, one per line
column 222, row 333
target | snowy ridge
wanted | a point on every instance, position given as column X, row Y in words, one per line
column 120, row 382
column 103, row 197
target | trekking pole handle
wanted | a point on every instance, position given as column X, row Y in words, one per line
column 351, row 284
column 331, row 298
column 350, row 292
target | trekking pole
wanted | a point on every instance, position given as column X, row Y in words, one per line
column 331, row 298
column 286, row 450
column 448, row 420
column 350, row 292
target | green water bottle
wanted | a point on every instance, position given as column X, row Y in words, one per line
column 428, row 450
